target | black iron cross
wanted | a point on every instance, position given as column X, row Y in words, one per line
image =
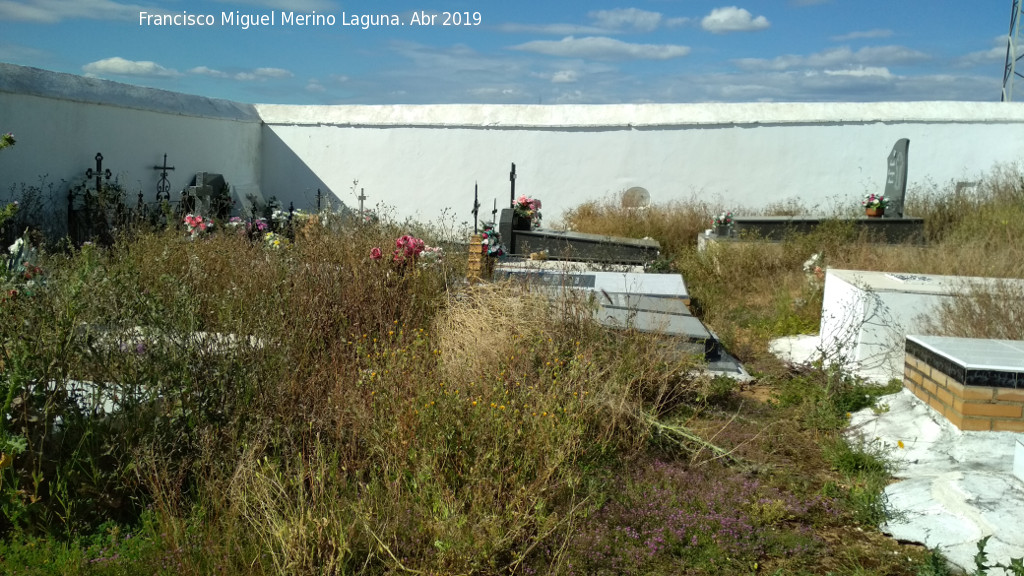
column 476, row 206
column 494, row 212
column 512, row 179
column 163, row 187
column 99, row 173
column 319, row 195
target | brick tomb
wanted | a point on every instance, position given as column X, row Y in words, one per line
column 976, row 384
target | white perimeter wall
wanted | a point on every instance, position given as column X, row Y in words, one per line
column 60, row 122
column 418, row 160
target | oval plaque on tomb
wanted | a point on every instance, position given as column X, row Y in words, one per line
column 636, row 197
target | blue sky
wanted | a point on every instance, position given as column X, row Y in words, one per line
column 528, row 51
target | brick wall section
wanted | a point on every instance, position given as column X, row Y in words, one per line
column 480, row 264
column 967, row 407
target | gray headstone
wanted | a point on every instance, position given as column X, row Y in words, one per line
column 636, row 197
column 896, row 179
column 204, row 187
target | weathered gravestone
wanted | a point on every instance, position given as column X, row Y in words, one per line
column 636, row 197
column 896, row 179
column 205, row 194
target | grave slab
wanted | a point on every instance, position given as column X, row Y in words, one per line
column 866, row 315
column 655, row 285
column 576, row 246
column 955, row 486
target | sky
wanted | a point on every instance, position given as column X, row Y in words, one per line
column 522, row 52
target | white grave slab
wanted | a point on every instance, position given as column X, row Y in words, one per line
column 866, row 315
column 657, row 285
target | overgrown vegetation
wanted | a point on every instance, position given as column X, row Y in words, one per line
column 219, row 405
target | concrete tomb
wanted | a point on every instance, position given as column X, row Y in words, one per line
column 976, row 384
column 893, row 227
column 866, row 315
column 576, row 246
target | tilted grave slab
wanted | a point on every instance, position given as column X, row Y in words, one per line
column 866, row 314
column 652, row 303
column 977, row 384
column 577, row 246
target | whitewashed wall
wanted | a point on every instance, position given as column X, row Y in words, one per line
column 419, row 160
column 61, row 121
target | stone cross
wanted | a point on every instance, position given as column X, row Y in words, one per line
column 896, row 179
column 99, row 173
column 362, row 196
column 163, row 186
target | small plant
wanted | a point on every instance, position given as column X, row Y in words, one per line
column 492, row 239
column 6, row 140
column 875, row 201
column 525, row 207
column 723, row 219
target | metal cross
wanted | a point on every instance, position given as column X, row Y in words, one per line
column 99, row 173
column 362, row 196
column 476, row 206
column 163, row 186
column 494, row 212
column 319, row 195
column 512, row 179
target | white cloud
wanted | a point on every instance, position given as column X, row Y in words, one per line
column 564, row 77
column 118, row 66
column 809, row 2
column 862, row 34
column 983, row 57
column 862, row 72
column 626, row 18
column 551, row 29
column 315, row 86
column 602, row 22
column 733, row 19
column 204, row 71
column 837, row 58
column 603, row 48
column 263, row 74
column 51, row 11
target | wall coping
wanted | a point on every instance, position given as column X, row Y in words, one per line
column 61, row 86
column 641, row 116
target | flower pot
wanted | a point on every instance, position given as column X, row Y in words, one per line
column 874, row 212
column 521, row 222
column 721, row 229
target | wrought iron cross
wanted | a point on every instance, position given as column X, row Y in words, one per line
column 99, row 173
column 163, row 186
column 362, row 196
column 476, row 206
column 494, row 212
column 512, row 179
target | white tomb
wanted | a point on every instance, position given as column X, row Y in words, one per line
column 866, row 315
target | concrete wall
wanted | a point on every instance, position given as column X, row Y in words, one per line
column 419, row 160
column 61, row 121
